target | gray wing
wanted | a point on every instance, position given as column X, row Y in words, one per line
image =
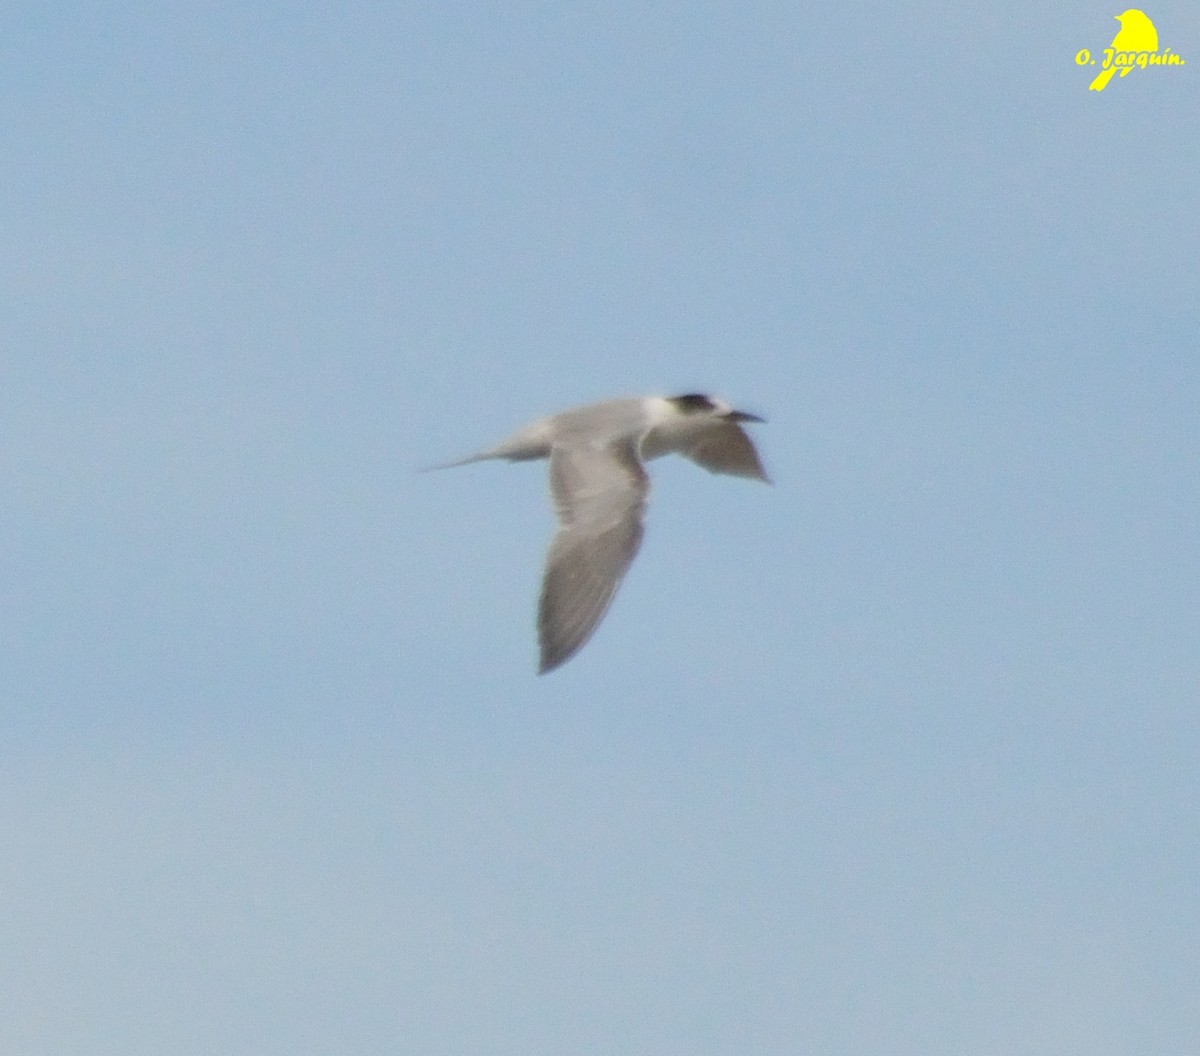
column 599, row 495
column 725, row 448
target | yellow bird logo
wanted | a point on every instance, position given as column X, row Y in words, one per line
column 1137, row 33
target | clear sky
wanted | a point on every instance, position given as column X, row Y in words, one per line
column 898, row 756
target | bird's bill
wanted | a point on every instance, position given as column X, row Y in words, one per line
column 744, row 416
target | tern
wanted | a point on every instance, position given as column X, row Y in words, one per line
column 599, row 488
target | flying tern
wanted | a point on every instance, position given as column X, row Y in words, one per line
column 599, row 488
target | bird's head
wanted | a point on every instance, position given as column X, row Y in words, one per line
column 698, row 405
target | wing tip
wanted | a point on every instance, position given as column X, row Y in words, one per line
column 555, row 654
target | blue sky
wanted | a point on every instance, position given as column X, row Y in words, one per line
column 900, row 755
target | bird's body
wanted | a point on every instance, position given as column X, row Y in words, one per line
column 1137, row 33
column 599, row 489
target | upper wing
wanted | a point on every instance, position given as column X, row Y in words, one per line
column 725, row 448
column 599, row 495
